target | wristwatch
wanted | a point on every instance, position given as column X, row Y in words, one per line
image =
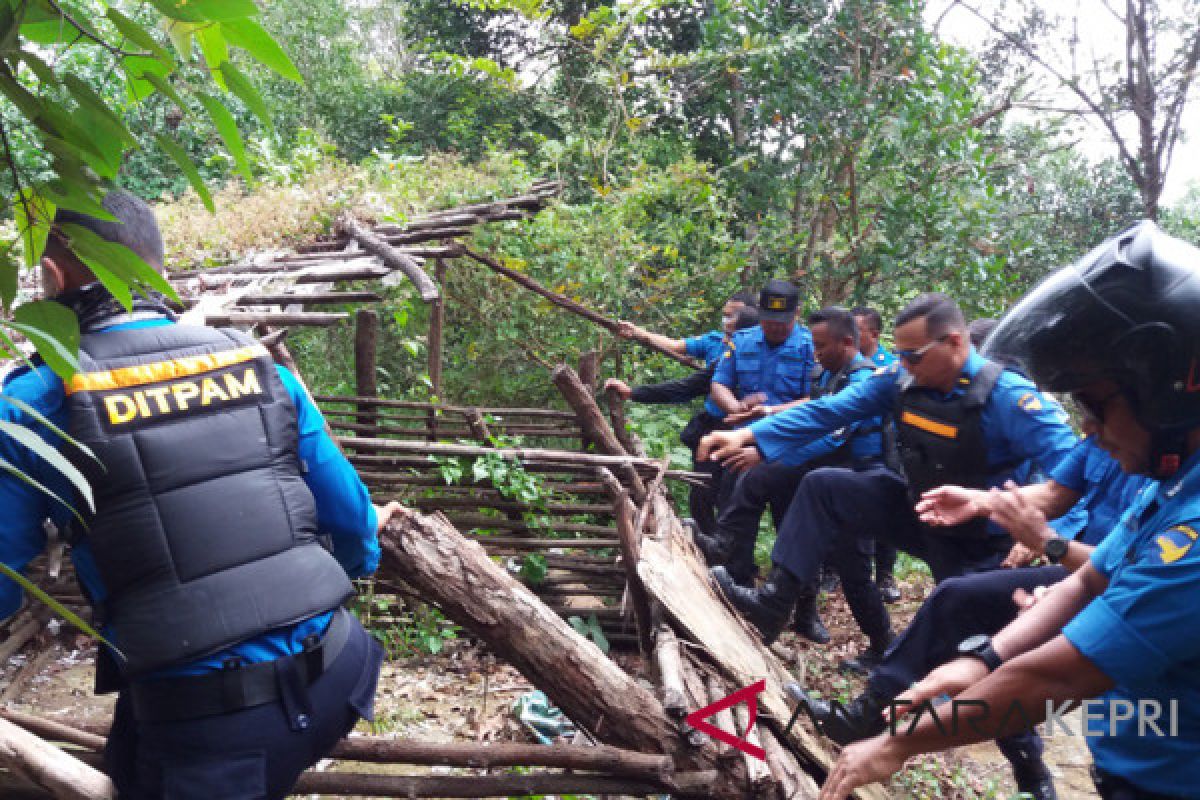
column 980, row 646
column 1055, row 549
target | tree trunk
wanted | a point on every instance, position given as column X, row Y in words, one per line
column 457, row 576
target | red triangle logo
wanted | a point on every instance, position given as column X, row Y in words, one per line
column 699, row 719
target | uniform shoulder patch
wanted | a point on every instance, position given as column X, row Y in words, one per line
column 1029, row 402
column 1175, row 542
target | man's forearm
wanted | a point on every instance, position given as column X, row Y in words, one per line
column 723, row 396
column 1046, row 619
column 1013, row 698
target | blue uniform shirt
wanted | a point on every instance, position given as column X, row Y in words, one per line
column 344, row 509
column 1105, row 490
column 883, row 357
column 783, row 372
column 1018, row 423
column 1143, row 633
column 863, row 446
column 711, row 347
column 707, row 346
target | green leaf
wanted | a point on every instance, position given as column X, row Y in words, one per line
column 160, row 83
column 39, row 68
column 251, row 37
column 33, row 215
column 138, row 35
column 58, row 608
column 84, row 198
column 49, row 453
column 189, row 169
column 228, row 129
column 205, row 10
column 97, row 117
column 138, row 70
column 240, row 85
column 43, row 24
column 8, row 277
column 42, row 420
column 180, row 34
column 21, row 476
column 215, row 50
column 117, row 259
column 54, row 330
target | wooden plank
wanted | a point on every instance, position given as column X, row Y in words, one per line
column 672, row 572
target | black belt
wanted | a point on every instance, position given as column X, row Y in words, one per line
column 238, row 685
column 1114, row 787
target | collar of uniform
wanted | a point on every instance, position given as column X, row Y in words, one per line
column 156, row 322
column 970, row 369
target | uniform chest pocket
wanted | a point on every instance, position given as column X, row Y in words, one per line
column 748, row 370
column 791, row 376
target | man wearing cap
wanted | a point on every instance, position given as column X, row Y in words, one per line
column 768, row 368
column 1118, row 330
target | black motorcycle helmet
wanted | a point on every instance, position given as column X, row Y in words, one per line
column 1129, row 312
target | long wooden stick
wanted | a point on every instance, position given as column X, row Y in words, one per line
column 570, row 305
column 391, row 257
column 46, row 765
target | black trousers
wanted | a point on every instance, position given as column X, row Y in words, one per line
column 744, row 498
column 252, row 754
column 956, row 609
column 838, row 514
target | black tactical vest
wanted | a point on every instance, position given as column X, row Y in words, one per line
column 941, row 441
column 204, row 531
column 840, row 457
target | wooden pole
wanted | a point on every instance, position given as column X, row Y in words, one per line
column 594, row 426
column 616, row 413
column 47, row 766
column 570, row 305
column 437, row 321
column 366, row 344
column 391, row 258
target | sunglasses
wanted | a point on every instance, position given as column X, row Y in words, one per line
column 914, row 357
column 1094, row 407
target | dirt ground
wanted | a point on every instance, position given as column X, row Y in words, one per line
column 463, row 694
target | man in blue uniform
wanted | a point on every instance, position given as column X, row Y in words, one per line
column 213, row 478
column 769, row 368
column 738, row 313
column 1092, row 490
column 870, row 328
column 958, row 417
column 759, row 485
column 1119, row 331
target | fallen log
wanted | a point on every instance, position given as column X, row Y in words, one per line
column 477, row 786
column 459, row 577
column 572, row 306
column 45, row 765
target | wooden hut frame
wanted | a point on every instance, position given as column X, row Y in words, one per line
column 620, row 552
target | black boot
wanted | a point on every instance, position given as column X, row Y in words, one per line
column 869, row 658
column 716, row 549
column 808, row 622
column 1030, row 772
column 860, row 719
column 766, row 608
